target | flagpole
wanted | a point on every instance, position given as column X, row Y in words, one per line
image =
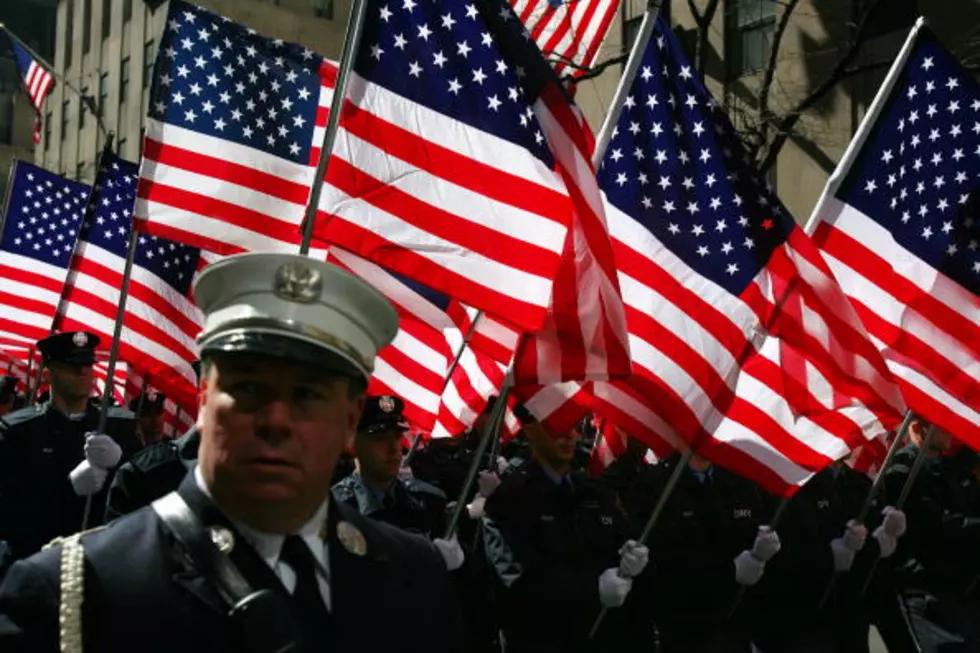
column 6, row 196
column 355, row 25
column 176, row 432
column 87, row 99
column 114, row 350
column 462, row 348
column 626, row 81
column 492, row 429
column 864, row 129
column 862, row 515
column 658, row 510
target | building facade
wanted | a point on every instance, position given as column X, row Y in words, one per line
column 817, row 36
column 106, row 50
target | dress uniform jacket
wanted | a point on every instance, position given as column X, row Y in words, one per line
column 410, row 504
column 705, row 525
column 548, row 544
column 140, row 593
column 39, row 447
column 152, row 473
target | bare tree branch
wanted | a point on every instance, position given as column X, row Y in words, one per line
column 595, row 70
column 777, row 41
column 703, row 21
column 786, row 124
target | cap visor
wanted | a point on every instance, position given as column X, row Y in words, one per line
column 285, row 347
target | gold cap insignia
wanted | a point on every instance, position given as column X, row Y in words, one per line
column 296, row 282
column 223, row 538
column 387, row 404
column 351, row 538
column 80, row 339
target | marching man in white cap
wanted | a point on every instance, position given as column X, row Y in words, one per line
column 251, row 553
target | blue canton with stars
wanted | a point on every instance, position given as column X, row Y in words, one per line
column 445, row 56
column 675, row 165
column 44, row 215
column 218, row 78
column 111, row 221
column 921, row 162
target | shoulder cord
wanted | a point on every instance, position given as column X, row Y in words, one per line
column 72, row 594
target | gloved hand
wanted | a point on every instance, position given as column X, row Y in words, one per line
column 488, row 482
column 633, row 559
column 894, row 523
column 613, row 588
column 766, row 544
column 843, row 555
column 87, row 479
column 451, row 552
column 101, row 450
column 477, row 507
column 854, row 535
column 886, row 543
column 748, row 569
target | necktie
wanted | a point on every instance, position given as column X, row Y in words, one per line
column 312, row 611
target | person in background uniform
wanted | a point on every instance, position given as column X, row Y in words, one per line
column 940, row 550
column 152, row 473
column 51, row 459
column 558, row 545
column 288, row 345
column 710, row 540
column 8, row 394
column 149, row 414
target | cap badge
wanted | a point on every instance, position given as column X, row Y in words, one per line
column 386, row 403
column 351, row 538
column 151, row 395
column 298, row 283
column 223, row 538
column 80, row 339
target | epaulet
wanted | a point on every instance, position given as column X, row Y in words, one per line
column 415, row 485
column 59, row 541
column 25, row 414
column 155, row 455
column 118, row 412
column 343, row 490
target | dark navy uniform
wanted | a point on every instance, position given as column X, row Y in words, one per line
column 710, row 518
column 151, row 474
column 173, row 608
column 409, row 504
column 548, row 542
column 39, row 447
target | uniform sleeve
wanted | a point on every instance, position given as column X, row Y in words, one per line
column 121, row 498
column 11, row 483
column 520, row 566
column 28, row 610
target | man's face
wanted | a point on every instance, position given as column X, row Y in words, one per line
column 151, row 425
column 272, row 430
column 556, row 451
column 70, row 382
column 934, row 444
column 379, row 454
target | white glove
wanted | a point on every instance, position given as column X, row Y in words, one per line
column 633, row 559
column 894, row 523
column 488, row 482
column 748, row 568
column 854, row 536
column 477, row 507
column 766, row 544
column 886, row 543
column 451, row 552
column 843, row 556
column 87, row 479
column 613, row 588
column 101, row 450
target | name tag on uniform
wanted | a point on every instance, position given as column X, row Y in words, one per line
column 547, row 518
column 823, row 504
column 606, row 520
column 742, row 513
column 47, row 450
column 687, row 513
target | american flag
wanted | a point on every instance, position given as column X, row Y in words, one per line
column 176, row 420
column 16, row 359
column 442, row 170
column 38, row 83
column 44, row 216
column 899, row 225
column 721, row 286
column 161, row 321
column 567, row 31
column 233, row 131
column 120, row 373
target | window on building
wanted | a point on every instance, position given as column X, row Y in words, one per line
column 750, row 25
column 148, row 53
column 69, row 31
column 65, row 106
column 103, row 92
column 47, row 131
column 86, row 26
column 127, row 10
column 322, row 9
column 82, row 108
column 106, row 18
column 124, row 80
column 79, row 170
